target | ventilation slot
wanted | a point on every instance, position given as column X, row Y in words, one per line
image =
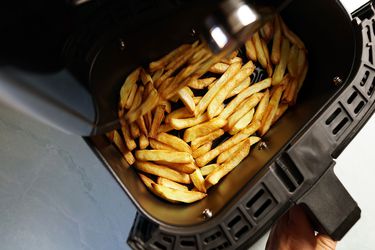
column 234, row 221
column 333, row 116
column 371, row 89
column 364, row 79
column 214, row 239
column 340, row 125
column 352, row 97
column 238, row 225
column 160, row 246
column 368, row 32
column 242, row 231
column 255, row 198
column 262, row 208
column 187, row 242
column 370, row 54
column 359, row 107
column 373, row 28
column 220, row 247
column 165, row 243
column 288, row 173
column 260, row 204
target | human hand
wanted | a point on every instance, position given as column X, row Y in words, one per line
column 293, row 231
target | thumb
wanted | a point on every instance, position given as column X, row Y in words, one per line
column 324, row 242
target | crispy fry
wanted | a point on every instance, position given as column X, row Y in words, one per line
column 242, row 122
column 171, row 184
column 228, row 59
column 137, row 98
column 293, row 38
column 175, row 142
column 129, row 101
column 149, row 103
column 129, row 141
column 157, row 145
column 134, row 130
column 207, row 98
column 229, row 165
column 291, row 90
column 243, row 134
column 147, row 181
column 157, row 75
column 267, row 55
column 195, row 144
column 163, row 155
column 276, row 44
column 203, row 129
column 201, row 83
column 179, row 124
column 280, row 68
column 301, row 62
column 271, row 110
column 244, row 108
column 158, row 118
column 175, row 195
column 148, row 119
column 143, row 141
column 187, row 99
column 162, row 171
column 145, row 77
column 197, row 99
column 167, row 104
column 267, row 31
column 126, row 88
column 259, row 49
column 187, row 168
column 206, row 170
column 202, row 150
column 280, row 111
column 159, row 64
column 198, row 180
column 250, row 50
column 300, row 82
column 115, row 137
column 219, row 68
column 142, row 125
column 219, row 98
column 229, row 109
column 261, row 109
column 243, row 85
column 178, row 114
column 293, row 60
column 224, row 156
column 165, row 128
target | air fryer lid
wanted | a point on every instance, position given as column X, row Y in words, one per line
column 327, row 31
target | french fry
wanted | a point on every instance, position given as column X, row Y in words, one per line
column 261, row 109
column 243, row 85
column 276, row 44
column 201, row 83
column 293, row 60
column 148, row 119
column 219, row 98
column 267, row 31
column 280, row 111
column 293, row 38
column 259, row 49
column 174, row 142
column 115, row 137
column 142, row 125
column 129, row 101
column 157, row 75
column 159, row 64
column 203, row 129
column 165, row 128
column 301, row 61
column 129, row 141
column 179, row 124
column 195, row 144
column 250, row 50
column 187, row 99
column 198, row 180
column 134, row 130
column 171, row 184
column 228, row 59
column 300, row 82
column 280, row 68
column 178, row 114
column 291, row 90
column 224, row 156
column 149, row 103
column 240, row 136
column 235, row 60
column 186, row 168
column 157, row 145
column 163, row 155
column 242, row 122
column 166, row 104
column 162, row 171
column 137, row 98
column 143, row 141
column 267, row 55
column 145, row 77
column 175, row 195
column 202, row 150
column 244, row 108
column 146, row 180
column 158, row 118
column 229, row 109
column 207, row 98
column 127, row 87
column 197, row 99
column 271, row 110
column 206, row 170
column 218, row 173
column 219, row 68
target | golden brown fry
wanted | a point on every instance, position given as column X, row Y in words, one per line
column 243, row 85
column 187, row 168
column 224, row 156
column 203, row 129
column 163, row 155
column 291, row 90
column 148, row 119
column 267, row 55
column 134, row 130
column 129, row 101
column 167, row 104
column 244, row 108
column 187, row 99
column 242, row 122
column 179, row 124
column 149, row 103
column 143, row 141
column 235, row 59
column 219, row 98
column 197, row 99
column 146, row 180
column 165, row 128
column 206, row 170
column 300, row 81
column 137, row 98
column 142, row 125
column 228, row 59
column 195, row 144
column 175, row 142
column 229, row 109
column 157, row 65
column 261, row 109
column 301, row 62
column 158, row 118
column 157, row 75
column 243, row 134
column 129, row 141
column 198, row 180
column 126, row 88
column 276, row 44
column 175, row 195
column 280, row 111
column 229, row 165
column 293, row 38
column 145, row 77
column 250, row 50
column 259, row 49
column 211, row 93
column 280, row 68
column 201, row 83
column 202, row 150
column 157, row 145
column 219, row 68
column 271, row 110
column 115, row 137
column 293, row 60
column 162, row 171
column 267, row 31
column 178, row 114
column 171, row 184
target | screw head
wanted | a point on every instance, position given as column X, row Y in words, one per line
column 122, row 44
column 207, row 213
column 337, row 81
column 262, row 145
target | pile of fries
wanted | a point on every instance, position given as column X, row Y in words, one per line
column 183, row 135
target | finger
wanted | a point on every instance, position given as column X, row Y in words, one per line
column 324, row 242
column 277, row 232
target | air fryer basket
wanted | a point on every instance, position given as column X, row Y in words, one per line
column 297, row 165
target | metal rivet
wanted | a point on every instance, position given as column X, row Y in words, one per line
column 262, row 145
column 337, row 80
column 193, row 32
column 122, row 44
column 207, row 213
